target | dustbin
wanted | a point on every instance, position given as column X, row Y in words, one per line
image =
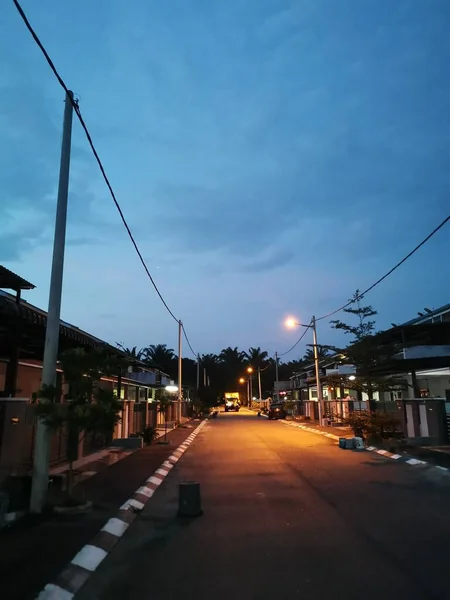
column 189, row 499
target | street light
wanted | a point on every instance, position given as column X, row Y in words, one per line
column 241, row 380
column 352, row 378
column 250, row 381
column 171, row 388
column 290, row 322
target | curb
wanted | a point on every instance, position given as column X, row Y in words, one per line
column 60, row 471
column 85, row 562
column 401, row 458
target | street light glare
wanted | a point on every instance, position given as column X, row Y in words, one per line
column 290, row 323
column 241, row 380
column 171, row 388
column 250, row 370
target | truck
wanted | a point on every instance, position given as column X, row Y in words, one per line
column 232, row 401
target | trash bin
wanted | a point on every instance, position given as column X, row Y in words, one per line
column 189, row 499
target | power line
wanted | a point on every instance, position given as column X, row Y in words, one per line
column 94, row 151
column 296, row 343
column 394, row 268
column 188, row 342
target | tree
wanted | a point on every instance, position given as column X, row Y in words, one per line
column 132, row 354
column 257, row 357
column 232, row 357
column 160, row 356
column 364, row 352
column 164, row 403
column 232, row 366
column 90, row 408
column 322, row 351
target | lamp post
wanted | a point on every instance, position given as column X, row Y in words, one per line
column 250, row 395
column 171, row 389
column 242, row 380
column 180, row 372
column 293, row 323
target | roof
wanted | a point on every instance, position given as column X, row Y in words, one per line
column 11, row 281
column 33, row 321
column 429, row 314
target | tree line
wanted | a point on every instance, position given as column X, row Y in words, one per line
column 221, row 372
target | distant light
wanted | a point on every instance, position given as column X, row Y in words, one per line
column 254, row 398
column 171, row 388
column 250, row 370
column 352, row 378
column 241, row 380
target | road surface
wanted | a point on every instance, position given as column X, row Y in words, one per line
column 287, row 514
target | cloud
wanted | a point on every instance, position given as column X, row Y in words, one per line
column 274, row 261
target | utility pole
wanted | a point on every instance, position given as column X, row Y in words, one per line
column 316, row 363
column 198, row 372
column 251, row 390
column 39, row 487
column 259, row 385
column 276, row 374
column 248, row 393
column 180, row 369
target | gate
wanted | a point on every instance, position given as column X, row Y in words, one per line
column 447, row 420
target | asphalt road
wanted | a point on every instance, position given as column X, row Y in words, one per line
column 287, row 514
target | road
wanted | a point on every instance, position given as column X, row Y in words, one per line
column 287, row 514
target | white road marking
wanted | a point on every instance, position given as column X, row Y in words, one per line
column 115, row 526
column 89, row 557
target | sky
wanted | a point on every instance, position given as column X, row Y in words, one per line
column 270, row 156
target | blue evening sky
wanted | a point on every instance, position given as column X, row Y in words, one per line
column 271, row 156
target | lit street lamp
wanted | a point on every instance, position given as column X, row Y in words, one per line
column 242, row 380
column 291, row 323
column 250, row 393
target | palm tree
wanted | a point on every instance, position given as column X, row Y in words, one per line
column 257, row 357
column 321, row 351
column 159, row 355
column 132, row 354
column 232, row 357
column 232, row 366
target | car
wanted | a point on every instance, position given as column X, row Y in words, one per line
column 277, row 411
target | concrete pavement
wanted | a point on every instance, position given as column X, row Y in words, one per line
column 34, row 551
column 286, row 515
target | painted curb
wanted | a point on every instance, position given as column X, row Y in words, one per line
column 401, row 458
column 85, row 562
column 60, row 471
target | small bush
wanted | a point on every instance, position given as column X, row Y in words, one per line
column 372, row 424
column 149, row 435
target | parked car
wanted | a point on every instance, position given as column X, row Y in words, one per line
column 277, row 411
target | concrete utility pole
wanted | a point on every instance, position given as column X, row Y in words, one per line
column 316, row 363
column 276, row 374
column 180, row 369
column 198, row 372
column 39, row 487
column 259, row 384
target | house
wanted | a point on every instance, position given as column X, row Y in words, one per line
column 419, row 363
column 22, row 339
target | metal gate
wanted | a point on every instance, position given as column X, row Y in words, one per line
column 447, row 420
